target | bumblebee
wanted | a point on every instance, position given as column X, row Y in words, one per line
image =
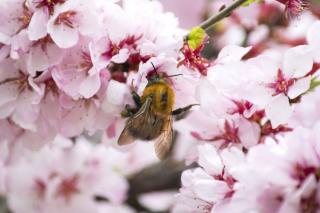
column 152, row 117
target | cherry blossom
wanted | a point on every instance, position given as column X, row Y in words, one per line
column 50, row 183
column 249, row 143
column 20, row 95
column 72, row 19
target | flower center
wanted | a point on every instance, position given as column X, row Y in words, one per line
column 49, row 4
column 67, row 18
column 86, row 63
column 68, row 187
column 281, row 85
column 40, row 188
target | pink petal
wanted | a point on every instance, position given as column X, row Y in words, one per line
column 313, row 34
column 116, row 92
column 62, row 35
column 90, row 86
column 6, row 109
column 249, row 133
column 211, row 190
column 209, row 159
column 297, row 61
column 90, row 24
column 278, row 110
column 299, row 87
column 38, row 61
column 54, row 54
column 38, row 25
column 121, row 57
column 9, row 92
column 232, row 53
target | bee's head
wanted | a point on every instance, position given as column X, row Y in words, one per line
column 154, row 76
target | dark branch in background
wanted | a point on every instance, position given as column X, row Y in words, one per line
column 207, row 24
column 4, row 205
column 162, row 176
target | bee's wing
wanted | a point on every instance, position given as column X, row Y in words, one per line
column 163, row 143
column 135, row 122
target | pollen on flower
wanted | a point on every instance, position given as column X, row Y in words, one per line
column 311, row 203
column 281, row 85
column 67, row 18
column 240, row 107
column 229, row 135
column 193, row 59
column 21, row 81
column 40, row 188
column 25, row 18
column 43, row 42
column 301, row 172
column 48, row 4
column 68, row 187
column 268, row 130
column 86, row 63
column 295, row 7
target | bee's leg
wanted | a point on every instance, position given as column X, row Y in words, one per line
column 128, row 111
column 136, row 98
column 181, row 112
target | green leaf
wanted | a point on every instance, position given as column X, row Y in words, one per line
column 196, row 37
column 314, row 83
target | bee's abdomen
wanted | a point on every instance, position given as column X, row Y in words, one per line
column 149, row 130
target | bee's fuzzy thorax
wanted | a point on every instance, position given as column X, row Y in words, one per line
column 162, row 97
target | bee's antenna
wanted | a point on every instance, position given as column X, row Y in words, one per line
column 154, row 68
column 169, row 76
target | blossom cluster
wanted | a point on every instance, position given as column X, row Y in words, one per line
column 67, row 70
column 65, row 63
column 257, row 145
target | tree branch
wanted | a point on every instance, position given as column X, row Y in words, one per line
column 207, row 24
column 162, row 176
column 4, row 205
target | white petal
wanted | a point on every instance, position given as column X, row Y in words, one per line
column 299, row 87
column 210, row 190
column 38, row 60
column 62, row 35
column 313, row 33
column 90, row 24
column 232, row 158
column 209, row 159
column 308, row 187
column 6, row 109
column 278, row 110
column 316, row 54
column 249, row 133
column 232, row 53
column 38, row 25
column 9, row 92
column 297, row 61
column 116, row 92
column 90, row 86
column 266, row 66
column 121, row 57
column 54, row 54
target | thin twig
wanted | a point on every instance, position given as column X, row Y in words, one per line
column 207, row 24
